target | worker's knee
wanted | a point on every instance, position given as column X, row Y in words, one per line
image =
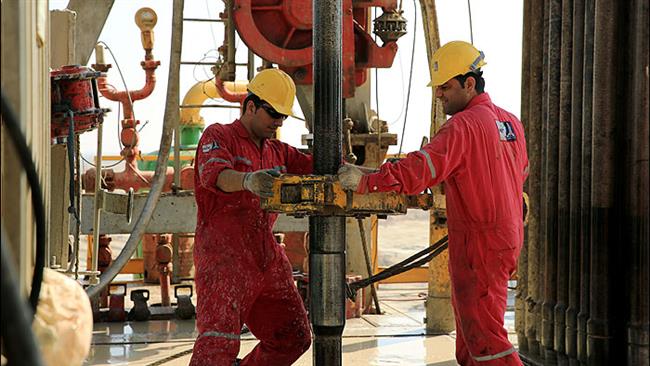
column 304, row 342
column 299, row 342
column 209, row 350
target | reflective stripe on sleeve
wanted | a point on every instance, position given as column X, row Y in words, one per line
column 494, row 356
column 220, row 334
column 429, row 162
column 210, row 161
column 243, row 160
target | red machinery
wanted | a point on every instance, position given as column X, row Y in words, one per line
column 74, row 95
column 280, row 31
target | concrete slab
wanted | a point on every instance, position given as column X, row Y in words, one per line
column 395, row 338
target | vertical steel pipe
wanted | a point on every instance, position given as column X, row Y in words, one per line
column 585, row 184
column 543, row 178
column 327, row 234
column 534, row 133
column 599, row 345
column 551, row 116
column 637, row 219
column 564, row 181
column 522, row 266
column 575, row 177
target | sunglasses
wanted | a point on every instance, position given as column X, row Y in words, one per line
column 273, row 113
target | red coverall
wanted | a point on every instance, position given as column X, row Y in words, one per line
column 242, row 274
column 480, row 154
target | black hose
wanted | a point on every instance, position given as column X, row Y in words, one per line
column 71, row 149
column 411, row 262
column 24, row 153
column 20, row 345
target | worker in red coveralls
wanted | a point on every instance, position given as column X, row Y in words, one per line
column 480, row 155
column 242, row 274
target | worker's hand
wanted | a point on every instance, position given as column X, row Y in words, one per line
column 350, row 176
column 260, row 182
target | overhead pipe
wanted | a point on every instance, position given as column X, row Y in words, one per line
column 236, row 96
column 522, row 265
column 170, row 119
column 585, row 184
column 564, row 181
column 637, row 164
column 199, row 93
column 599, row 334
column 575, row 182
column 327, row 234
column 551, row 192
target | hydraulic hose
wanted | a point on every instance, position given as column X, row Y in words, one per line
column 171, row 119
column 411, row 262
column 25, row 155
column 19, row 342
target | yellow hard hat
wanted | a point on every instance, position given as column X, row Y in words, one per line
column 453, row 59
column 276, row 88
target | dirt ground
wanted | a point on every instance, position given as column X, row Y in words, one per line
column 402, row 236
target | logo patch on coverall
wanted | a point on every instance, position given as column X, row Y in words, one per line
column 209, row 147
column 506, row 132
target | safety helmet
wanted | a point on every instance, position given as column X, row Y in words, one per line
column 453, row 59
column 276, row 88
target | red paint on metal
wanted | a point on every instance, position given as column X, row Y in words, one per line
column 149, row 244
column 104, row 260
column 131, row 177
column 164, row 258
column 186, row 257
column 233, row 97
column 281, row 32
column 74, row 89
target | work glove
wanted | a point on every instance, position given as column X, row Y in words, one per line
column 350, row 176
column 260, row 182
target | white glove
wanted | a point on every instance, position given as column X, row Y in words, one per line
column 350, row 176
column 260, row 182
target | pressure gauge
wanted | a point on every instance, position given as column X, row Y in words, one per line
column 146, row 19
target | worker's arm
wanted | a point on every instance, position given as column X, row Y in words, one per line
column 259, row 182
column 230, row 180
column 420, row 169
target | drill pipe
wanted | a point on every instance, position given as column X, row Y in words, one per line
column 564, row 182
column 327, row 234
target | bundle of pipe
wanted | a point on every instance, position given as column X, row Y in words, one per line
column 583, row 290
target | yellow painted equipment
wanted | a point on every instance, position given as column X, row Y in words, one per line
column 300, row 195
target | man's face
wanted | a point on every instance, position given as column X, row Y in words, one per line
column 266, row 121
column 454, row 98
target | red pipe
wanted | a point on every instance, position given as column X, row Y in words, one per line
column 164, row 258
column 131, row 177
column 110, row 93
column 232, row 97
